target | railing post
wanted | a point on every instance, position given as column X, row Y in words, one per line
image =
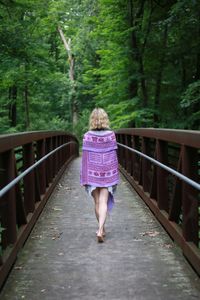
column 190, row 195
column 49, row 171
column 29, row 179
column 20, row 209
column 131, row 157
column 55, row 156
column 67, row 151
column 123, row 153
column 145, row 165
column 135, row 159
column 126, row 154
column 8, row 219
column 71, row 147
column 176, row 201
column 162, row 186
column 42, row 167
column 59, row 143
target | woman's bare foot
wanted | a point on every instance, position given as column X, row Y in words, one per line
column 103, row 233
column 100, row 239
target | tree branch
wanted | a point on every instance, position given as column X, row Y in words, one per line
column 66, row 44
column 70, row 55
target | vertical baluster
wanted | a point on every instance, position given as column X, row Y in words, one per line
column 20, row 209
column 8, row 203
column 61, row 153
column 145, row 164
column 77, row 148
column 67, row 149
column 49, row 171
column 42, row 166
column 3, row 203
column 162, row 182
column 29, row 179
column 123, row 151
column 176, row 202
column 153, row 187
column 126, row 152
column 132, row 158
column 129, row 154
column 55, row 155
column 140, row 173
column 72, row 149
column 66, row 152
column 135, row 158
column 190, row 195
column 58, row 154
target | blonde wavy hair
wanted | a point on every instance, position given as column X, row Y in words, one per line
column 99, row 119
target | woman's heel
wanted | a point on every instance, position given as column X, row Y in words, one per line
column 100, row 239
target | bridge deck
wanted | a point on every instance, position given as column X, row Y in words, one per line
column 62, row 260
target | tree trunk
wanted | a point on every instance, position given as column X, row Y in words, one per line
column 71, row 59
column 26, row 106
column 159, row 77
column 137, row 55
column 183, row 71
column 148, row 29
column 197, row 75
column 54, row 51
column 143, row 82
column 133, row 86
column 13, row 105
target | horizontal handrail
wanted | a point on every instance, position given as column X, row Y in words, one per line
column 11, row 141
column 172, row 171
column 183, row 137
column 11, row 184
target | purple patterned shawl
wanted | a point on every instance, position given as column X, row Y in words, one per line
column 99, row 160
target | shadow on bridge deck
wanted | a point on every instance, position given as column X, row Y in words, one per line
column 62, row 260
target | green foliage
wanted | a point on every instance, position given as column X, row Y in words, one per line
column 137, row 59
column 83, row 125
column 191, row 103
column 32, row 62
column 123, row 114
column 191, row 95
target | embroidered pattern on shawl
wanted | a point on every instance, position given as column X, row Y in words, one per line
column 99, row 160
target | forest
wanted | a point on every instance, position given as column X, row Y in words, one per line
column 138, row 59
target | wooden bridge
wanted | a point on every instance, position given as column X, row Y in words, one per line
column 60, row 259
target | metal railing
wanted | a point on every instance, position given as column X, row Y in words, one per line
column 163, row 167
column 30, row 167
column 168, row 169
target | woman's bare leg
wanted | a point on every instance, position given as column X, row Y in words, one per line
column 103, row 200
column 95, row 195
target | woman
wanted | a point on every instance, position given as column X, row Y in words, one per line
column 99, row 172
